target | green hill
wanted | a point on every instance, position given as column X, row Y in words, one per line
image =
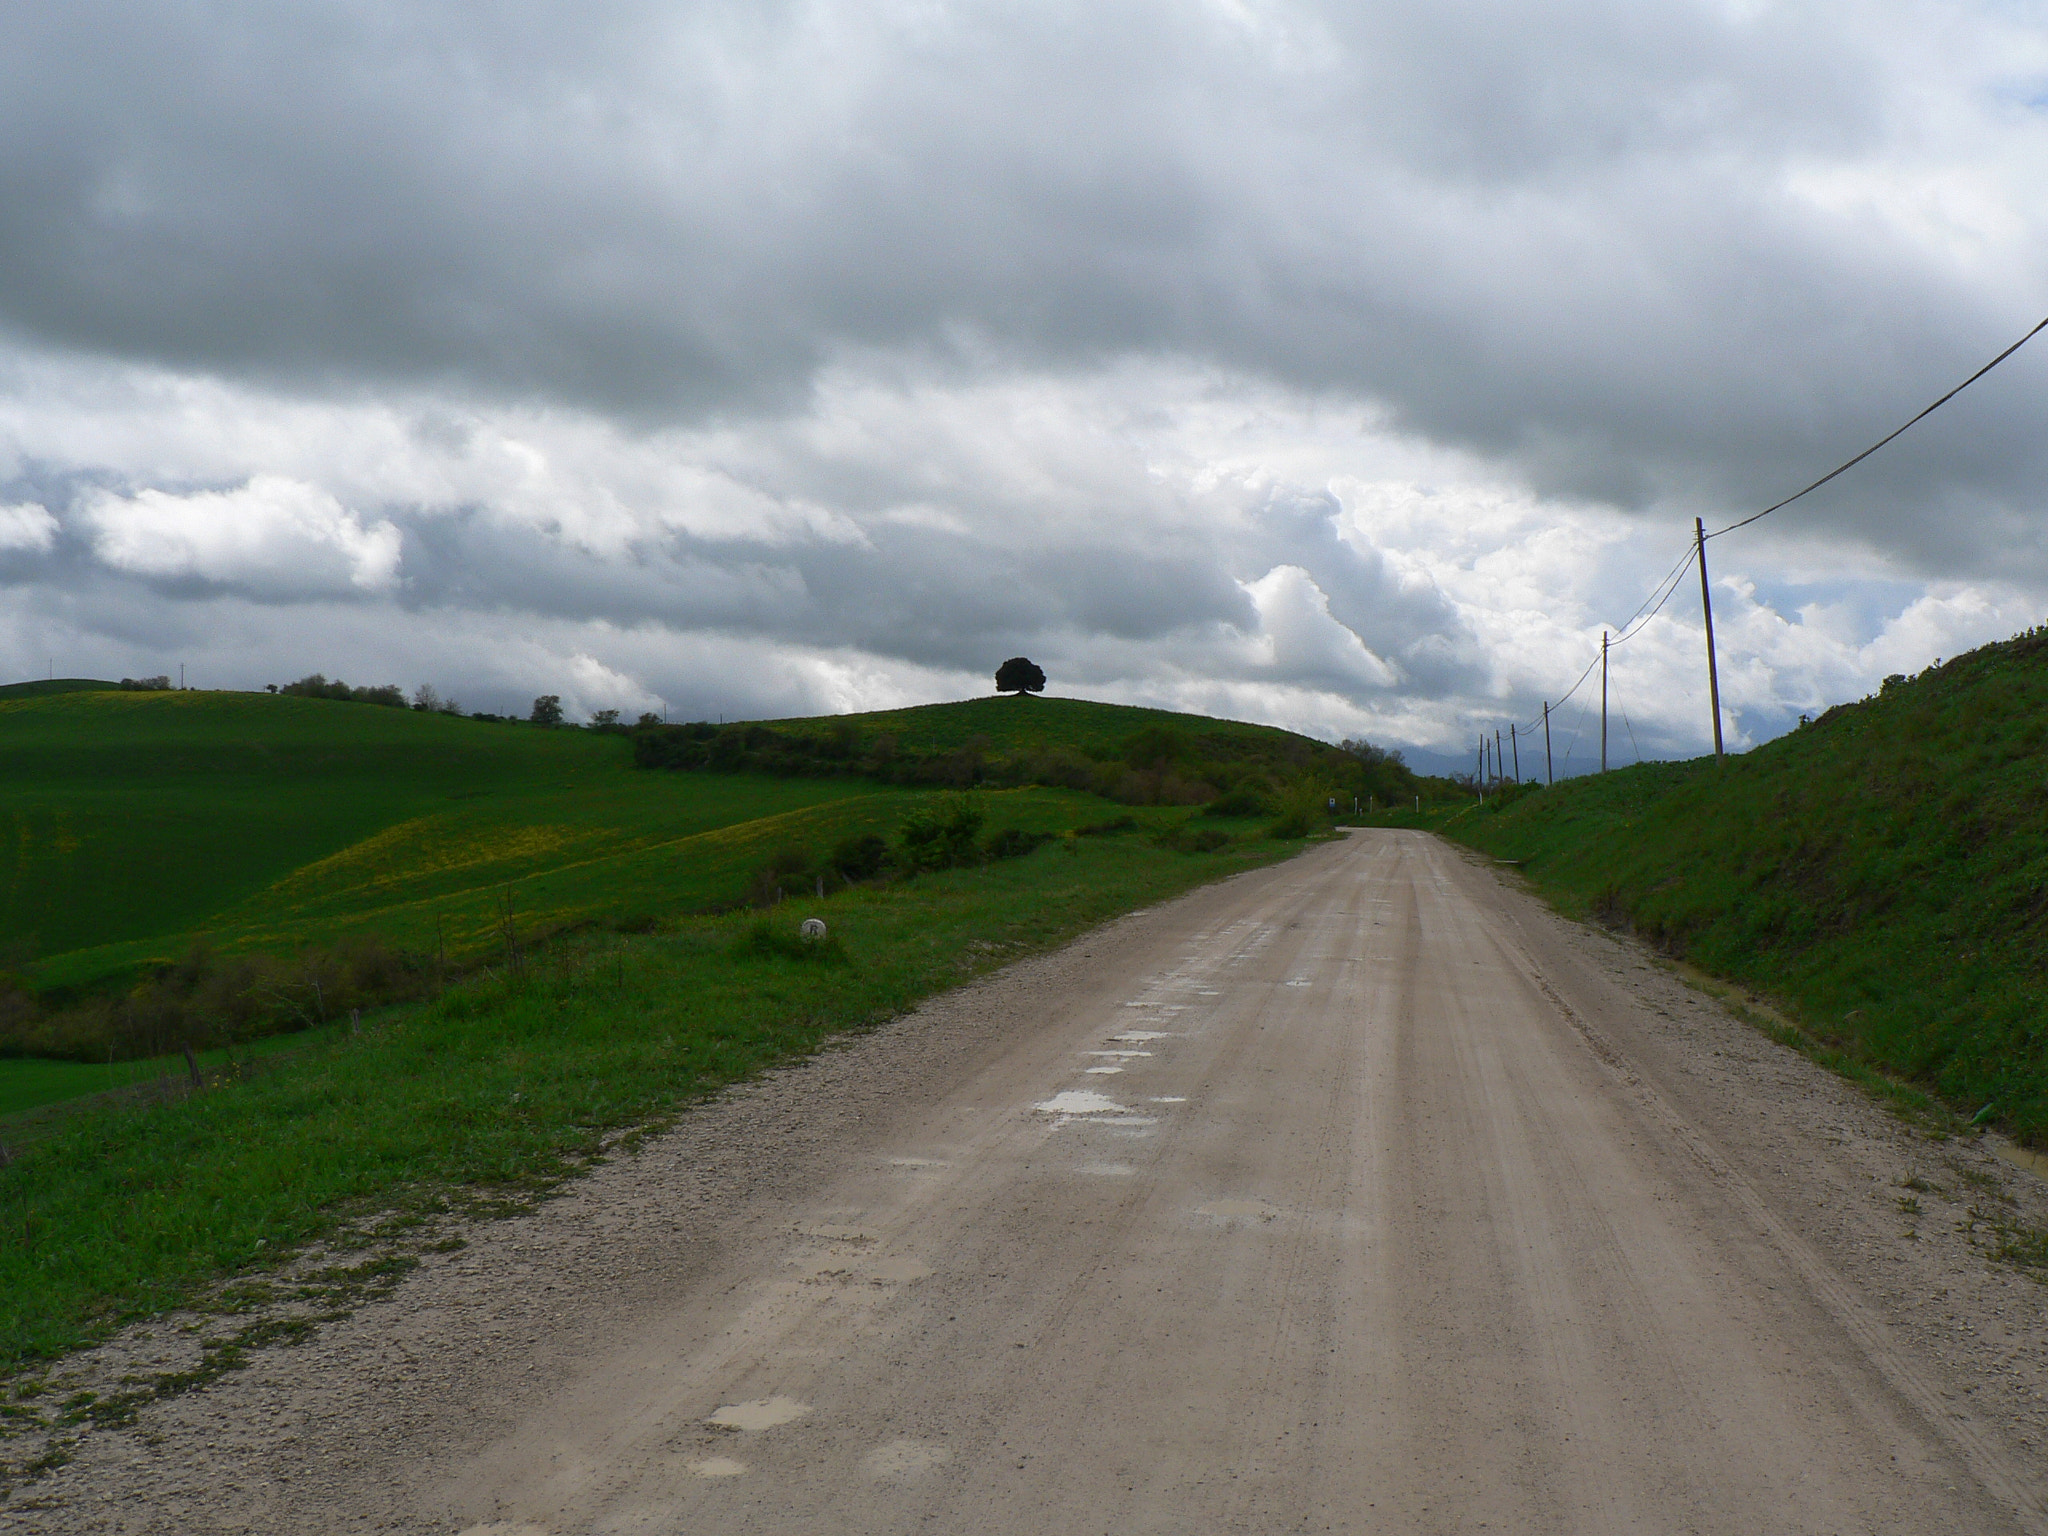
column 43, row 687
column 1133, row 755
column 1012, row 723
column 1883, row 872
column 131, row 823
column 214, row 869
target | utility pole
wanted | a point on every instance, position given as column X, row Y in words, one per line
column 1498, row 776
column 1516, row 747
column 1480, row 775
column 1699, row 528
column 1603, row 701
column 1549, row 776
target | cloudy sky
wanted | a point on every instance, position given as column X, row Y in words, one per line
column 1348, row 366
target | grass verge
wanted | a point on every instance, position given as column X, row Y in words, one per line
column 508, row 1083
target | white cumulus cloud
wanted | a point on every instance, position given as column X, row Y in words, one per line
column 274, row 535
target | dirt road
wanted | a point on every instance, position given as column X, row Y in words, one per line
column 1356, row 1195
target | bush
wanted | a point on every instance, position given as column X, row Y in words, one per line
column 765, row 940
column 1108, row 828
column 941, row 835
column 207, row 1000
column 1015, row 843
column 787, row 868
column 1239, row 802
column 1301, row 810
column 316, row 686
column 1185, row 837
column 860, row 857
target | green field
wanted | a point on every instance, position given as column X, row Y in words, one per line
column 514, row 1075
column 578, row 933
column 130, row 823
column 1881, row 873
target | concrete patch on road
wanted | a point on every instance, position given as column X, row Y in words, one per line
column 718, row 1466
column 1080, row 1101
column 758, row 1414
column 1240, row 1213
column 902, row 1461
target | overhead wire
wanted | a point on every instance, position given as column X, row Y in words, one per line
column 1661, row 593
column 1866, row 453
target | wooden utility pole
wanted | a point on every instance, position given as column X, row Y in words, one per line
column 1699, row 528
column 1603, row 701
column 1498, row 776
column 1516, row 747
column 1480, row 775
column 1549, row 776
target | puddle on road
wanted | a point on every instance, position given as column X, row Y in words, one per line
column 718, row 1466
column 1140, row 1036
column 1172, row 1100
column 759, row 1414
column 902, row 1461
column 1104, row 1071
column 1119, row 1055
column 917, row 1162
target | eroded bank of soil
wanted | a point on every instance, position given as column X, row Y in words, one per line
column 1361, row 1193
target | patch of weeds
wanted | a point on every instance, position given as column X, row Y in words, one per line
column 2011, row 1242
column 1977, row 1178
column 1920, row 1186
column 1909, row 1205
column 764, row 940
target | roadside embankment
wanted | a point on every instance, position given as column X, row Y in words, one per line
column 1881, row 874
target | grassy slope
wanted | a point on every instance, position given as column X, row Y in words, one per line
column 1011, row 722
column 1883, row 872
column 130, row 822
column 144, row 819
column 41, row 687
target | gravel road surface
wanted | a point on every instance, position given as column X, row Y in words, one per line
column 1359, row 1194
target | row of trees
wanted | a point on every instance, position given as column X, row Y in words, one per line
column 547, row 709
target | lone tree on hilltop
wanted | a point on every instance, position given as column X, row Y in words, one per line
column 547, row 709
column 1020, row 675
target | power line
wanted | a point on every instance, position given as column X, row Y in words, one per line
column 1661, row 593
column 1866, row 453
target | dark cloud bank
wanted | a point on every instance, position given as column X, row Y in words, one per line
column 1653, row 259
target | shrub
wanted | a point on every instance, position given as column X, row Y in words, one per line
column 786, row 868
column 941, row 835
column 1239, row 802
column 766, row 940
column 1015, row 842
column 860, row 857
column 1108, row 828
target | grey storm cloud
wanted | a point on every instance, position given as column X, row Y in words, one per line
column 1560, row 237
column 849, row 293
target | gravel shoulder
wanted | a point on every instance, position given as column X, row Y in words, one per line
column 1421, row 1207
